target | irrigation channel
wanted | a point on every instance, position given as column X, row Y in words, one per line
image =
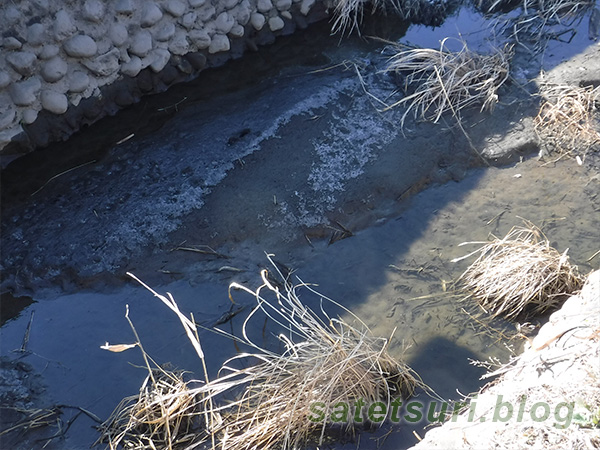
column 283, row 151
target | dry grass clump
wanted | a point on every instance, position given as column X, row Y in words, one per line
column 567, row 121
column 165, row 414
column 519, row 273
column 262, row 399
column 442, row 81
column 325, row 360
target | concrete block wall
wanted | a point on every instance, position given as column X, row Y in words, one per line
column 55, row 54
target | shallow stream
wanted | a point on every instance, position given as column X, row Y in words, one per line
column 283, row 164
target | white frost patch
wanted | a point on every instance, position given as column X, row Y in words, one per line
column 346, row 148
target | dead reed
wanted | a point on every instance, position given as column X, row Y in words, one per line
column 567, row 121
column 325, row 360
column 519, row 273
column 444, row 81
column 262, row 399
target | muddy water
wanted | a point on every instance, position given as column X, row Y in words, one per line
column 391, row 272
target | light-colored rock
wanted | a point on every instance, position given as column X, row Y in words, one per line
column 179, row 45
column 7, row 118
column 36, row 34
column 151, row 14
column 63, row 26
column 264, row 6
column 25, row 93
column 276, row 23
column 11, row 43
column 4, row 79
column 237, row 30
column 12, row 14
column 175, row 7
column 103, row 65
column 306, row 6
column 286, row 15
column 165, row 32
column 22, row 62
column 118, row 34
column 78, row 81
column 283, row 5
column 189, row 20
column 132, row 67
column 229, row 4
column 123, row 7
column 54, row 69
column 161, row 58
column 206, row 12
column 196, row 3
column 241, row 13
column 258, row 21
column 55, row 102
column 141, row 44
column 200, row 38
column 219, row 43
column 48, row 51
column 93, row 10
column 80, row 46
column 29, row 116
column 224, row 22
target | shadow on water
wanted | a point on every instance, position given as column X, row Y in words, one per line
column 392, row 273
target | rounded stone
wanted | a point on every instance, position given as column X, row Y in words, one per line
column 306, row 6
column 264, row 6
column 49, row 51
column 11, row 43
column 78, row 81
column 206, row 13
column 219, row 43
column 237, row 30
column 165, row 32
column 4, row 79
column 55, row 102
column 242, row 12
column 12, row 14
column 200, row 38
column 93, row 10
column 36, row 34
column 29, row 116
column 276, row 23
column 80, row 46
column 228, row 4
column 132, row 67
column 25, row 92
column 103, row 65
column 63, row 26
column 22, row 62
column 7, row 118
column 161, row 59
column 151, row 14
column 124, row 7
column 175, row 7
column 189, row 20
column 183, row 65
column 118, row 34
column 141, row 44
column 258, row 21
column 224, row 22
column 179, row 45
column 196, row 3
column 54, row 69
column 286, row 15
column 283, row 5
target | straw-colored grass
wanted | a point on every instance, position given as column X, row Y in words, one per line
column 325, row 360
column 567, row 122
column 262, row 399
column 444, row 81
column 520, row 273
